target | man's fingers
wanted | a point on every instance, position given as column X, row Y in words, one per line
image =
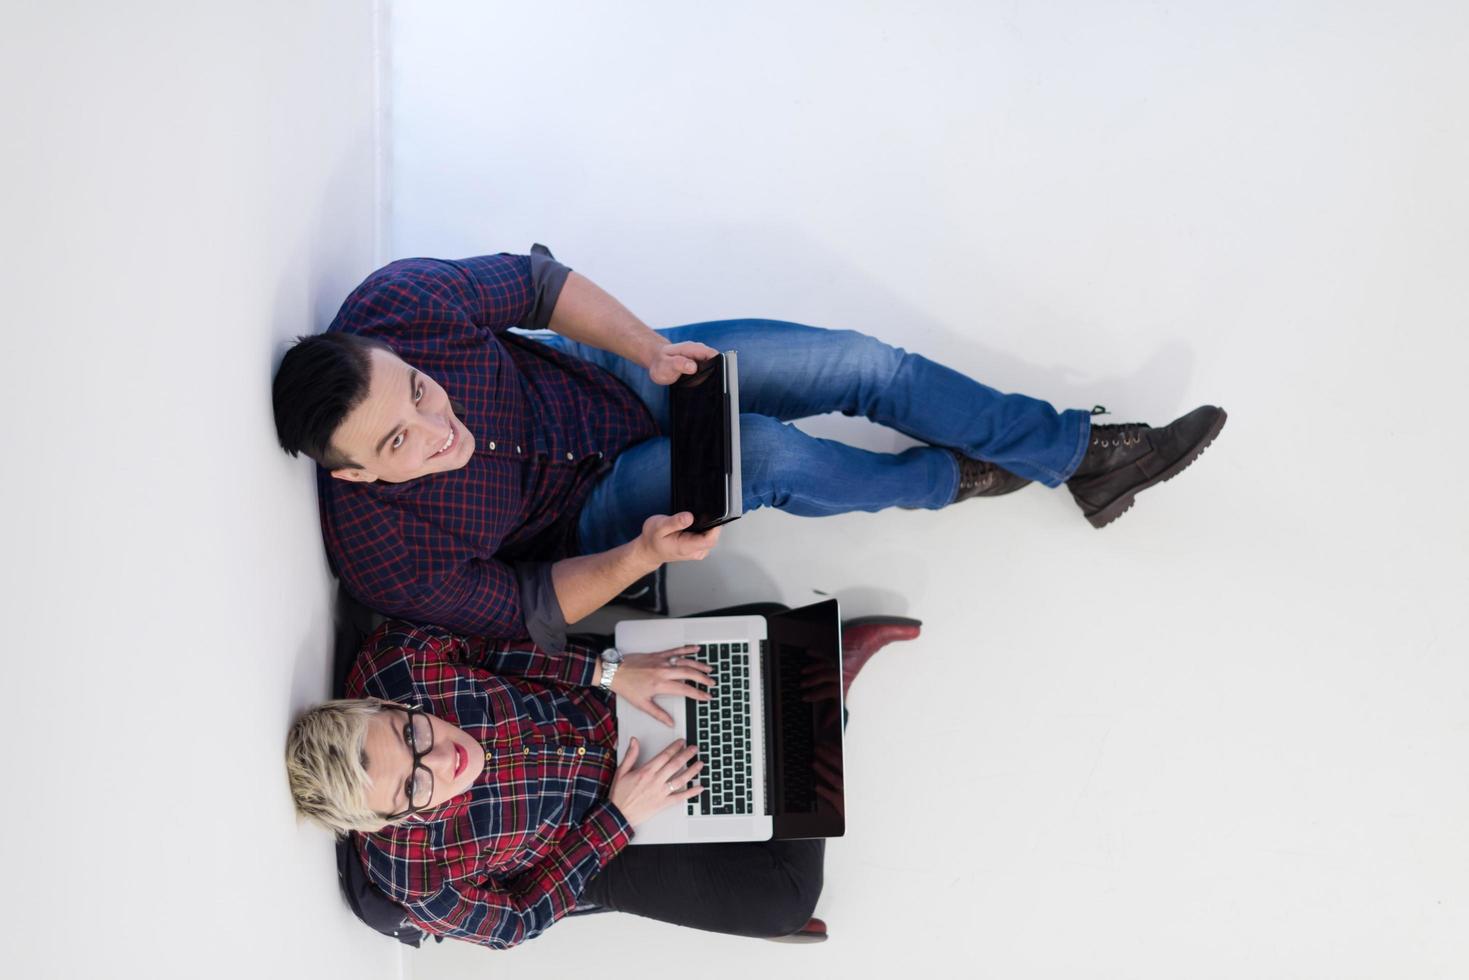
column 703, row 541
column 692, row 349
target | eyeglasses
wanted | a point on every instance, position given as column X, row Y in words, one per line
column 418, row 735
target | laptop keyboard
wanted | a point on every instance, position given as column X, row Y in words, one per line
column 720, row 727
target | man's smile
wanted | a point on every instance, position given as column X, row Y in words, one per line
column 447, row 443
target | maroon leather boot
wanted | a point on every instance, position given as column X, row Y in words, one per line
column 814, row 931
column 863, row 637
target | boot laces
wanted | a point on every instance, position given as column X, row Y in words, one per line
column 976, row 474
column 1125, row 434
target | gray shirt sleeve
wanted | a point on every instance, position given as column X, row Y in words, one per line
column 547, row 276
column 544, row 620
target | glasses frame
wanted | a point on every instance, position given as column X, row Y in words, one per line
column 412, row 742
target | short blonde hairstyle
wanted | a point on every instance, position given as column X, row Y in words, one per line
column 324, row 756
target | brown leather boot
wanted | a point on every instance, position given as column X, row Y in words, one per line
column 863, row 637
column 1124, row 460
column 978, row 478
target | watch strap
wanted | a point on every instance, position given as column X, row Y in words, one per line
column 609, row 670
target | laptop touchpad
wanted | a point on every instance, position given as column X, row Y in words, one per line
column 718, row 830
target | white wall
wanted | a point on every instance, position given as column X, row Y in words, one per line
column 1223, row 738
column 185, row 186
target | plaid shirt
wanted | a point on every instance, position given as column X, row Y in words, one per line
column 502, row 861
column 441, row 549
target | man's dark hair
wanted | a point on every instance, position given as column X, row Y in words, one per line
column 320, row 380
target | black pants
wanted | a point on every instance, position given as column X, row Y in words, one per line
column 761, row 888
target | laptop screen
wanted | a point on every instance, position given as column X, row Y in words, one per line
column 804, row 703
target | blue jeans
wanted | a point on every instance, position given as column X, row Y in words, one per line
column 789, row 371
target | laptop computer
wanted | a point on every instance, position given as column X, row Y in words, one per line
column 771, row 736
column 704, row 425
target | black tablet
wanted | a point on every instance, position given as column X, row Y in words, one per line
column 704, row 416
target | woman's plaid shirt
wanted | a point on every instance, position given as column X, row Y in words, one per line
column 502, row 861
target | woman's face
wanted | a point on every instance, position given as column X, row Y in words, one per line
column 453, row 762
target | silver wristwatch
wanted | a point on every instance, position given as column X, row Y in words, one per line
column 611, row 660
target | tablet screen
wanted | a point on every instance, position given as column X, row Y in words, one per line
column 697, row 416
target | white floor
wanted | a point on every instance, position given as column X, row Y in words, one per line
column 1225, row 737
column 184, row 187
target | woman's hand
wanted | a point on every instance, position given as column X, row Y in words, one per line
column 643, row 675
column 662, row 781
column 672, row 361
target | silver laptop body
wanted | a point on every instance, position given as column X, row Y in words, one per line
column 685, row 823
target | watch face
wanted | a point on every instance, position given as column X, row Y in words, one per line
column 612, row 655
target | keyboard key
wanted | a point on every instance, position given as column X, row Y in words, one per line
column 721, row 727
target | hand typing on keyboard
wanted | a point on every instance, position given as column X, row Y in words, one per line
column 641, row 791
column 675, row 672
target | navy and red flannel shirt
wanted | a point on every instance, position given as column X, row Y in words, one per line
column 502, row 861
column 458, row 548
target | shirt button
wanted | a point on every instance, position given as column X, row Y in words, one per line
column 569, row 456
column 517, row 449
column 489, row 757
column 492, row 445
column 581, row 750
column 527, row 750
column 561, row 751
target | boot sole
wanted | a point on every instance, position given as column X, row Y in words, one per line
column 1121, row 505
column 882, row 621
column 799, row 938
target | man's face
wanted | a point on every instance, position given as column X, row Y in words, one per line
column 455, row 761
column 403, row 429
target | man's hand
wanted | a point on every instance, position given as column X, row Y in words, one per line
column 666, row 539
column 584, row 583
column 672, row 361
column 643, row 675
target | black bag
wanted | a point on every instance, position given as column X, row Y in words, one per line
column 371, row 905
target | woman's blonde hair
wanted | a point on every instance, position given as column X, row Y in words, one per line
column 324, row 762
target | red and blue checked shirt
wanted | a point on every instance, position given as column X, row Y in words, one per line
column 502, row 861
column 454, row 548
